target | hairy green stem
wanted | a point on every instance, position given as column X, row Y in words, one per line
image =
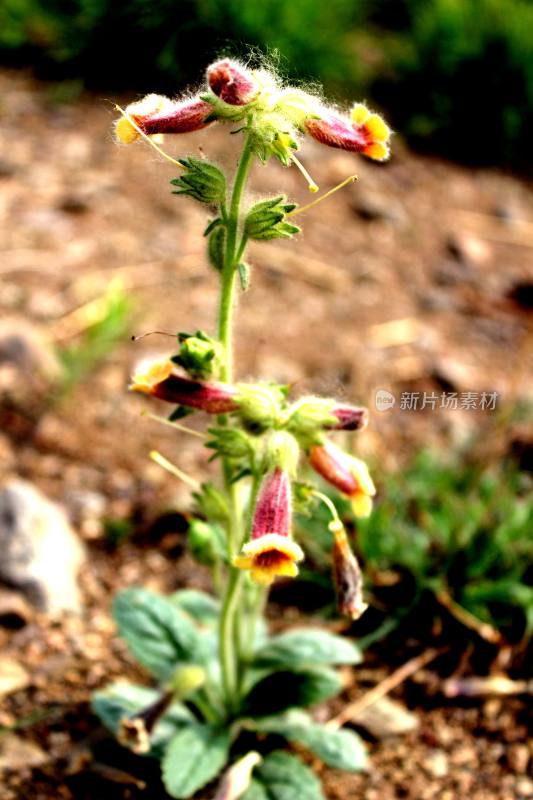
column 228, row 651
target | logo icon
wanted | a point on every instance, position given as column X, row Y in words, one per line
column 384, row 400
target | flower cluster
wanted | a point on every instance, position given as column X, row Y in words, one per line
column 274, row 433
column 275, row 117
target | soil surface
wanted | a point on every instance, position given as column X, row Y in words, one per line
column 416, row 278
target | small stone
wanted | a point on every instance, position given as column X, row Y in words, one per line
column 385, row 718
column 24, row 347
column 41, row 554
column 436, row 764
column 17, row 754
column 524, row 788
column 13, row 676
column 518, row 756
column 468, row 249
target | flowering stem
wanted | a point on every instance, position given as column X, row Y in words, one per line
column 228, row 651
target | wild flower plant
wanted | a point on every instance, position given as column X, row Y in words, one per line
column 220, row 677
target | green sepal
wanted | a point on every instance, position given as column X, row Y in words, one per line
column 121, row 699
column 230, row 442
column 309, row 646
column 202, row 181
column 341, row 749
column 244, row 270
column 180, row 412
column 281, row 776
column 211, row 503
column 216, row 248
column 157, row 632
column 194, row 756
column 207, row 542
column 265, row 220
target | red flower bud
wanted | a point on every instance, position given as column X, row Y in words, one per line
column 159, row 380
column 231, row 82
column 351, row 418
column 363, row 132
column 271, row 552
column 155, row 114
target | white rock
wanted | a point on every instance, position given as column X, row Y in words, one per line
column 41, row 554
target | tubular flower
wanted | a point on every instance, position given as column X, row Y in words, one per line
column 156, row 114
column 158, row 379
column 350, row 418
column 232, row 82
column 347, row 573
column 348, row 474
column 361, row 132
column 270, row 551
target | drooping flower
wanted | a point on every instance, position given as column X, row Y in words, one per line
column 156, row 114
column 232, row 82
column 158, row 379
column 362, row 132
column 270, row 551
column 347, row 473
column 350, row 418
column 347, row 574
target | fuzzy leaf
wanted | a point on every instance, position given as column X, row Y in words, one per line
column 309, row 646
column 277, row 691
column 202, row 607
column 282, row 776
column 244, row 275
column 194, row 756
column 216, row 247
column 157, row 632
column 120, row 699
column 342, row 749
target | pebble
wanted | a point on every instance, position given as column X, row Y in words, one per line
column 386, row 718
column 436, row 764
column 41, row 553
column 17, row 753
column 13, row 676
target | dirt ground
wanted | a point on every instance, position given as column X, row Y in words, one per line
column 416, row 278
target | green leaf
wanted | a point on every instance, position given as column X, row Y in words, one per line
column 194, row 756
column 212, row 225
column 341, row 749
column 216, row 248
column 309, row 646
column 277, row 691
column 244, row 275
column 282, row 776
column 120, row 699
column 201, row 180
column 157, row 632
column 265, row 220
column 202, row 607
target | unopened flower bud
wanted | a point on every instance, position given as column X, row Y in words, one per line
column 270, row 551
column 349, row 418
column 156, row 114
column 199, row 355
column 186, row 680
column 232, row 82
column 347, row 573
column 364, row 132
column 158, row 380
column 282, row 451
column 347, row 473
column 205, row 542
column 259, row 406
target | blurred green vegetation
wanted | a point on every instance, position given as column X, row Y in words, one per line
column 445, row 537
column 455, row 76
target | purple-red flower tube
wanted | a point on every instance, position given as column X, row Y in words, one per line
column 270, row 551
column 362, row 132
column 159, row 380
column 348, row 474
column 156, row 114
column 232, row 82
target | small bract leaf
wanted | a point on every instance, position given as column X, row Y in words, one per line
column 194, row 756
column 281, row 776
